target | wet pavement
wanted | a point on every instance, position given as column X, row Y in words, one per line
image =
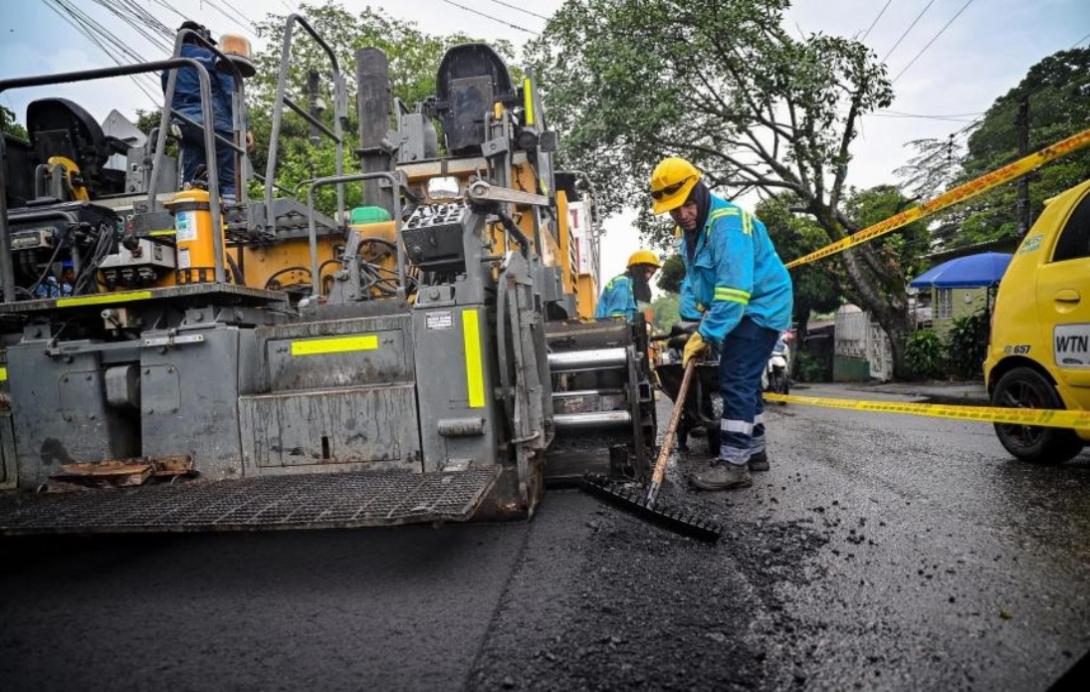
column 880, row 552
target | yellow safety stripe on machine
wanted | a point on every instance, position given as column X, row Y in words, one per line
column 162, row 233
column 103, row 299
column 335, row 344
column 1047, row 418
column 528, row 99
column 471, row 335
column 959, row 194
column 732, row 294
column 3, row 374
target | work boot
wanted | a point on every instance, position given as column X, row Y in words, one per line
column 758, row 462
column 722, row 475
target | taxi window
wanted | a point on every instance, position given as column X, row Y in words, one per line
column 1074, row 242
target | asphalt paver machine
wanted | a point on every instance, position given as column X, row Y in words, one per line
column 255, row 363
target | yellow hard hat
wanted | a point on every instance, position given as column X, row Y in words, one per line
column 671, row 182
column 644, row 257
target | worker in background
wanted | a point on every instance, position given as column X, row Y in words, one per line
column 187, row 101
column 740, row 291
column 630, row 292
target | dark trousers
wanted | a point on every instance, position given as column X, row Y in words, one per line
column 743, row 357
column 193, row 157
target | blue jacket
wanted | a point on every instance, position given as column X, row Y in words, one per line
column 618, row 299
column 734, row 273
column 187, row 89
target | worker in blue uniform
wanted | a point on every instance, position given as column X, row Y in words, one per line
column 739, row 291
column 628, row 293
column 187, row 101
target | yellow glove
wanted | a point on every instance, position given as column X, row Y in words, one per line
column 694, row 347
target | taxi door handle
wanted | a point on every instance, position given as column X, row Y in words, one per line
column 1067, row 295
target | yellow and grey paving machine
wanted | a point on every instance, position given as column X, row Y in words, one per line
column 173, row 360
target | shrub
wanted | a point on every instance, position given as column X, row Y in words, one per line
column 924, row 354
column 968, row 345
column 808, row 368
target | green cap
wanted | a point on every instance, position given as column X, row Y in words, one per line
column 361, row 215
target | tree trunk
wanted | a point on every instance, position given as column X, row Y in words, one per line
column 889, row 311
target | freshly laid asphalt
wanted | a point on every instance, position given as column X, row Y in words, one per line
column 880, row 552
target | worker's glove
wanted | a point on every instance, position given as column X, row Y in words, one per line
column 694, row 348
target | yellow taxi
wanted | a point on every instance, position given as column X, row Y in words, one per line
column 1039, row 351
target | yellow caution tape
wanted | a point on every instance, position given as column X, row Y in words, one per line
column 959, row 194
column 1046, row 418
column 337, row 344
column 103, row 299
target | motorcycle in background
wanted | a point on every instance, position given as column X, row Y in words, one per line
column 777, row 375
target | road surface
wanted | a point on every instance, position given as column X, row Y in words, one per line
column 881, row 552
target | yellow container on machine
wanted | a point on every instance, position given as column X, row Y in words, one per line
column 1039, row 351
column 194, row 237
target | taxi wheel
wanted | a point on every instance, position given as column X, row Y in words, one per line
column 1026, row 388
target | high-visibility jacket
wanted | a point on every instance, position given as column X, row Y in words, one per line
column 618, row 299
column 734, row 272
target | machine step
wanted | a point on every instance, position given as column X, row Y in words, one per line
column 302, row 501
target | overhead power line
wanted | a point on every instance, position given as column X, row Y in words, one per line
column 902, row 38
column 1076, row 43
column 520, row 9
column 880, row 13
column 933, row 39
column 487, row 16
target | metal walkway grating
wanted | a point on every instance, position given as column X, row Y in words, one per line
column 342, row 500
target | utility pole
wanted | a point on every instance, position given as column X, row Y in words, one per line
column 1021, row 124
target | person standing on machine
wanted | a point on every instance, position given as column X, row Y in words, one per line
column 187, row 101
column 629, row 293
column 741, row 291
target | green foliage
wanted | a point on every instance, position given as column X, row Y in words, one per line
column 808, row 368
column 706, row 80
column 903, row 254
column 1057, row 88
column 924, row 354
column 414, row 58
column 671, row 274
column 8, row 124
column 666, row 311
column 967, row 344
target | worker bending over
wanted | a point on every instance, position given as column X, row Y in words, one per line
column 739, row 291
column 630, row 292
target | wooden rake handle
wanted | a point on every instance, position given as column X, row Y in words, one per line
column 671, row 427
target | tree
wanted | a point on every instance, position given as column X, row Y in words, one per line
column 8, row 124
column 817, row 286
column 665, row 308
column 1058, row 91
column 671, row 274
column 725, row 85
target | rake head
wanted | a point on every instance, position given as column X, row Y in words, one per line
column 635, row 502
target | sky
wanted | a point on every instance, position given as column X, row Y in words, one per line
column 981, row 54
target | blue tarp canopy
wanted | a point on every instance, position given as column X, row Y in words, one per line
column 971, row 271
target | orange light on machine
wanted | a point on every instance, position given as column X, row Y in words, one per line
column 237, row 49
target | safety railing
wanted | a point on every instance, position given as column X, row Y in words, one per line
column 173, row 64
column 312, row 231
column 340, row 113
column 238, row 120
